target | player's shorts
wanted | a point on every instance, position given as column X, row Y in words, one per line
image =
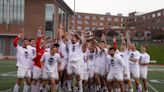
column 63, row 64
column 91, row 71
column 143, row 74
column 50, row 75
column 126, row 75
column 23, row 72
column 74, row 67
column 85, row 76
column 37, row 72
column 115, row 76
column 135, row 72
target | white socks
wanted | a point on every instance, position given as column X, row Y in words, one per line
column 69, row 85
column 117, row 90
column 16, row 88
column 34, row 88
column 26, row 87
column 80, row 86
column 139, row 88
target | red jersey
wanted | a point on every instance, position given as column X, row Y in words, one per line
column 39, row 53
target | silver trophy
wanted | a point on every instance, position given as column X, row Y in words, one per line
column 89, row 35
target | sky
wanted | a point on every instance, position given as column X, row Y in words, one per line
column 115, row 6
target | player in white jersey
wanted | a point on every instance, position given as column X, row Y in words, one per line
column 23, row 63
column 124, row 53
column 134, row 66
column 100, row 66
column 116, row 69
column 74, row 60
column 52, row 63
column 143, row 62
column 91, row 55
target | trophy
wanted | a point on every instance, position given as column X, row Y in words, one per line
column 89, row 36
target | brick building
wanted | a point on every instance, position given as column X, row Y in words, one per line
column 30, row 14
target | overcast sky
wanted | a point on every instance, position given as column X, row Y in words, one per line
column 115, row 6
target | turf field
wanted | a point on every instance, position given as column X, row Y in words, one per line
column 8, row 76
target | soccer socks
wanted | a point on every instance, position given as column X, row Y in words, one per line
column 131, row 90
column 16, row 88
column 69, row 85
column 139, row 88
column 117, row 90
column 34, row 88
column 80, row 86
column 26, row 87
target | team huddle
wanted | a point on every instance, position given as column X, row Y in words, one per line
column 75, row 63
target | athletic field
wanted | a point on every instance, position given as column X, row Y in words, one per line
column 8, row 76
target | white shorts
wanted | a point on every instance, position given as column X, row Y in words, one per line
column 50, row 75
column 143, row 74
column 102, row 71
column 115, row 76
column 91, row 72
column 37, row 72
column 135, row 72
column 74, row 68
column 23, row 72
column 126, row 75
column 63, row 64
column 85, row 76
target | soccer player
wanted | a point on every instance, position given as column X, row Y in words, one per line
column 143, row 62
column 37, row 70
column 134, row 66
column 116, row 69
column 75, row 59
column 23, row 62
column 52, row 64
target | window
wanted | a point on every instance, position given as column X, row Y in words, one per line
column 116, row 19
column 86, row 28
column 93, row 28
column 109, row 19
column 94, row 17
column 101, row 18
column 94, row 23
column 11, row 11
column 79, row 16
column 159, row 14
column 86, row 17
column 153, row 15
column 79, row 22
column 86, row 22
column 122, row 19
column 79, row 28
column 144, row 17
column 101, row 23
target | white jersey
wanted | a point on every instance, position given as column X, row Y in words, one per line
column 91, row 58
column 75, row 51
column 85, row 63
column 23, row 57
column 134, row 54
column 50, row 62
column 32, row 51
column 101, row 57
column 144, row 58
column 116, row 63
column 63, row 49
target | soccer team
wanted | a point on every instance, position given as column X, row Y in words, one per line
column 51, row 65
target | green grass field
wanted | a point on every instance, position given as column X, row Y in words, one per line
column 8, row 72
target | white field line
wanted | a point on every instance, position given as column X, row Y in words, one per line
column 8, row 74
column 8, row 90
column 155, row 90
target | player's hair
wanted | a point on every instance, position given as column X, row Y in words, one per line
column 102, row 41
column 112, row 48
column 144, row 45
column 55, row 46
column 31, row 39
column 25, row 39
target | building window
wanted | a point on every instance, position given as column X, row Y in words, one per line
column 86, row 17
column 93, row 28
column 94, row 23
column 109, row 19
column 94, row 17
column 153, row 15
column 144, row 17
column 49, row 12
column 79, row 28
column 79, row 16
column 116, row 19
column 11, row 11
column 86, row 28
column 79, row 22
column 86, row 22
column 159, row 14
column 101, row 18
column 101, row 23
column 122, row 19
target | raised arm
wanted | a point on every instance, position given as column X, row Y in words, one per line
column 15, row 41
